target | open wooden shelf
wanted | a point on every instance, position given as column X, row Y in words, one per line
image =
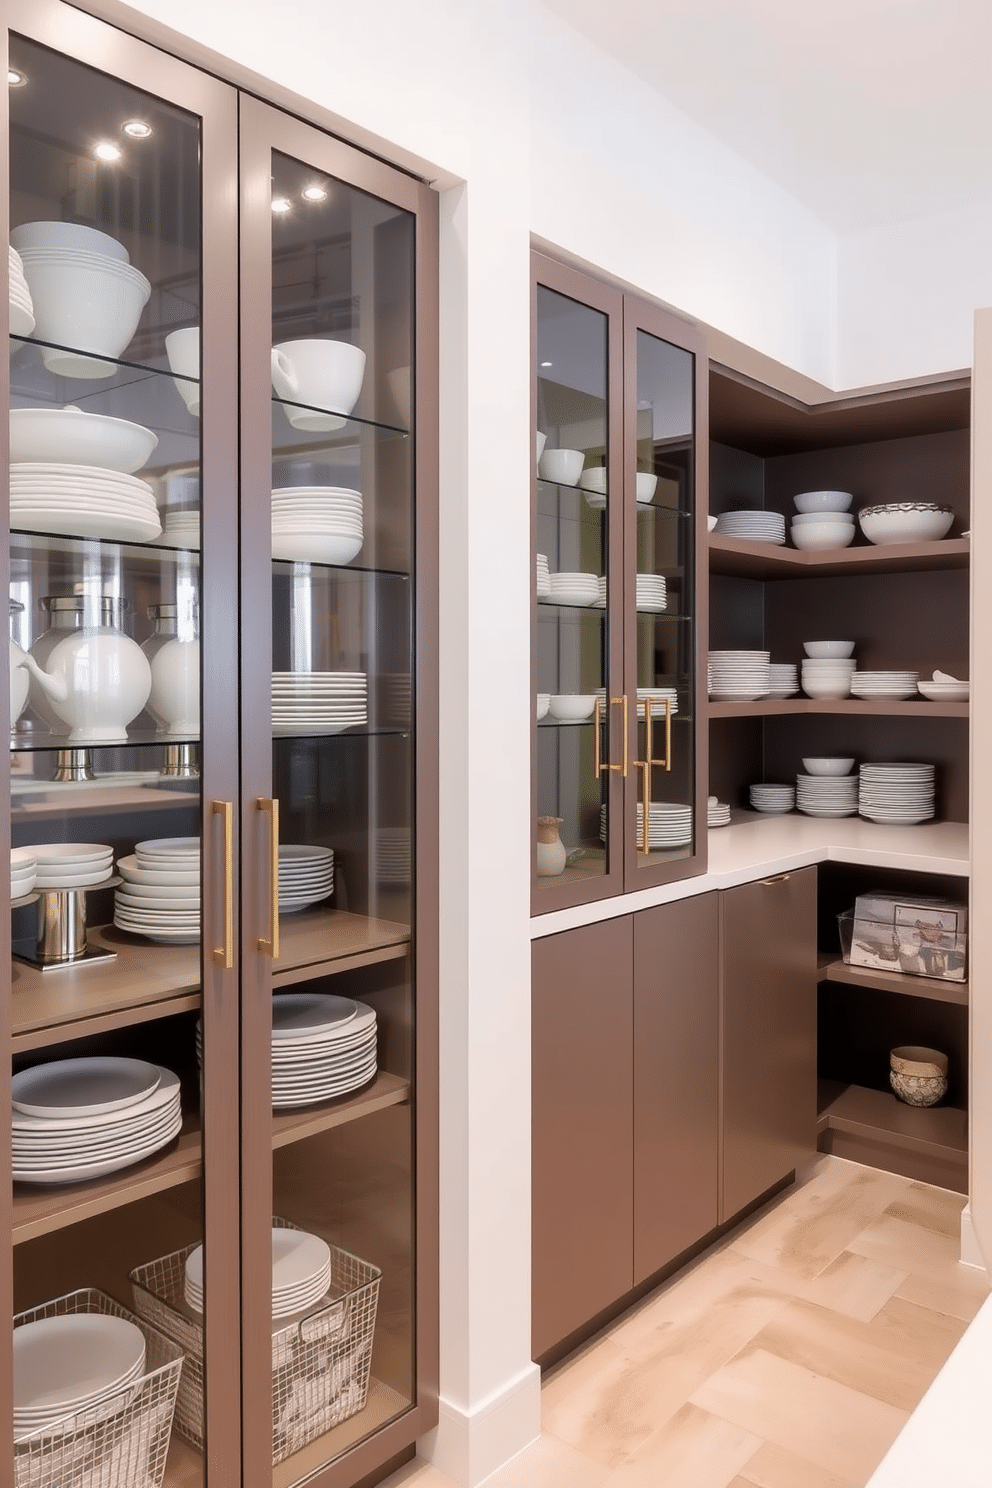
column 750, row 560
column 832, row 969
column 91, row 800
column 322, row 942
column 859, row 707
column 293, row 1126
column 873, row 1127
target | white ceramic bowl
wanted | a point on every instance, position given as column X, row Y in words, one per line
column 563, row 466
column 85, row 302
column 823, row 519
column 67, row 235
column 821, row 687
column 823, row 501
column 823, row 535
column 906, row 522
column 645, row 485
column 572, row 707
column 543, row 703
column 314, row 547
column 828, row 650
column 827, row 766
column 711, row 523
column 944, row 692
column 69, row 436
column 542, row 440
column 594, row 479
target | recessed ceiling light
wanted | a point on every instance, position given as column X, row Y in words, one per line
column 107, row 152
column 137, row 128
column 281, row 204
column 314, row 193
column 14, row 78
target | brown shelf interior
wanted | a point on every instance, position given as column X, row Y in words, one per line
column 832, row 969
column 88, row 800
column 739, row 558
column 873, row 1127
column 852, row 707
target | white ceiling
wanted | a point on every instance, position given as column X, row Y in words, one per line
column 867, row 111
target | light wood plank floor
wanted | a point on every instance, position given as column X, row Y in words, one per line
column 787, row 1356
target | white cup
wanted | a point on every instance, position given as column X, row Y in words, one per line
column 183, row 350
column 324, row 374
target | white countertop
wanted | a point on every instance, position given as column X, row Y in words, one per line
column 754, row 846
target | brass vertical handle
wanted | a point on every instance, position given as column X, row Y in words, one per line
column 666, row 763
column 597, row 724
column 645, row 770
column 607, row 769
column 270, row 947
column 223, row 955
column 626, row 743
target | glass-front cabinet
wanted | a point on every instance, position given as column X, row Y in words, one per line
column 220, row 1184
column 618, row 791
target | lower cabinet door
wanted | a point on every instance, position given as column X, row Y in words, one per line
column 582, row 1175
column 768, row 1011
column 676, row 1079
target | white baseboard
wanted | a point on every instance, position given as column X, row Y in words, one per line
column 469, row 1446
column 971, row 1254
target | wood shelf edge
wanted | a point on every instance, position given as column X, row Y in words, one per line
column 832, row 968
column 294, row 1126
column 877, row 1116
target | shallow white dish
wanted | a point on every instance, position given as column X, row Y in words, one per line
column 83, row 1087
column 823, row 501
column 78, row 438
column 97, row 524
column 130, row 868
column 829, row 768
column 956, row 692
column 829, row 650
column 69, row 235
column 100, row 1169
column 906, row 522
column 61, row 1363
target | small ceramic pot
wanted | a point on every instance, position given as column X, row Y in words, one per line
column 917, row 1075
column 551, row 853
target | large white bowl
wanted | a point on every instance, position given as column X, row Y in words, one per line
column 828, row 650
column 315, row 547
column 823, row 535
column 906, row 522
column 572, row 707
column 824, row 688
column 88, row 303
column 563, row 466
column 823, row 501
column 70, row 436
column 824, row 519
column 67, row 235
column 594, row 479
column 823, row 765
column 645, row 486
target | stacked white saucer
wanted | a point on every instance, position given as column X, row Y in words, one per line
column 326, row 702
column 74, row 1363
column 884, row 684
column 306, row 875
column 754, row 526
column 317, row 524
column 717, row 813
column 21, row 308
column 669, row 825
column 160, row 896
column 783, row 679
column 543, row 576
column 773, row 800
column 900, row 794
column 180, row 527
column 658, row 696
column 83, row 501
column 323, row 1046
column 943, row 688
column 76, row 1119
column 71, row 865
column 827, row 795
column 23, row 868
column 828, row 677
column 738, row 676
column 581, row 589
column 301, row 1272
column 392, row 855
column 652, row 595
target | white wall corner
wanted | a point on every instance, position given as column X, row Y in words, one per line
column 971, row 1251
column 468, row 1446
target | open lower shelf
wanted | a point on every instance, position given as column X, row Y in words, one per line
column 831, row 968
column 873, row 1127
column 741, row 559
column 91, row 798
column 865, row 707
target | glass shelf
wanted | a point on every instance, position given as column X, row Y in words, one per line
column 27, row 543
column 345, row 735
column 285, row 567
column 288, row 440
column 139, row 739
column 551, row 604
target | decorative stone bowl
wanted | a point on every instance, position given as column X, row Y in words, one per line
column 918, row 1075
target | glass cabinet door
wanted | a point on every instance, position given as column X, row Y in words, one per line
column 122, row 1010
column 333, row 1011
column 580, row 711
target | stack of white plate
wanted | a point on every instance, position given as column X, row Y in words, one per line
column 899, row 794
column 600, row 602
column 884, row 684
column 316, row 524
column 306, row 875
column 651, row 593
column 580, row 589
column 827, row 795
column 83, row 501
column 668, row 825
column 755, row 526
column 21, row 308
column 73, row 1363
column 543, row 576
column 76, row 1119
column 324, row 701
column 322, row 1046
column 828, row 677
column 181, row 527
column 783, row 679
column 301, row 1272
column 717, row 813
column 160, row 897
column 71, row 865
column 658, row 696
column 395, row 690
column 392, row 855
column 23, row 868
column 773, row 800
column 942, row 688
column 738, row 676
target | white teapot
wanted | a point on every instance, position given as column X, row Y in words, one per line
column 90, row 676
column 20, row 681
column 173, row 653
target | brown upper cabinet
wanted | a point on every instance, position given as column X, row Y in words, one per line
column 619, row 777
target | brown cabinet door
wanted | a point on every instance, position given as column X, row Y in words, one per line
column 676, row 1079
column 582, row 1178
column 768, row 1006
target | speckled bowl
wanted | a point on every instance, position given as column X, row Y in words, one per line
column 918, row 1075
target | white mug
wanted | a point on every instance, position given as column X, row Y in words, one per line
column 324, row 374
column 183, row 350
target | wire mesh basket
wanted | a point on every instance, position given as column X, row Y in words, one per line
column 122, row 1443
column 320, row 1358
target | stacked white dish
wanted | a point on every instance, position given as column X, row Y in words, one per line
column 738, row 676
column 21, row 308
column 717, row 813
column 322, row 1047
column 83, row 501
column 316, row 524
column 652, row 595
column 668, row 825
column 906, row 521
column 23, row 868
column 71, row 865
column 81, row 1363
column 395, row 692
column 76, row 438
column 754, row 526
column 884, row 684
column 944, row 688
column 808, row 502
column 306, row 875
column 827, row 795
column 898, row 794
column 83, row 1118
column 828, row 677
column 658, row 696
column 593, row 483
column 580, row 589
column 773, row 800
column 543, row 576
column 822, row 530
column 301, row 1272
column 325, row 701
column 180, row 527
column 783, row 679
column 160, row 897
column 392, row 855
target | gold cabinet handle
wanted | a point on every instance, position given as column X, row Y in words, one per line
column 626, row 751
column 666, row 763
column 776, row 878
column 223, row 955
column 645, row 769
column 599, row 767
column 270, row 947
